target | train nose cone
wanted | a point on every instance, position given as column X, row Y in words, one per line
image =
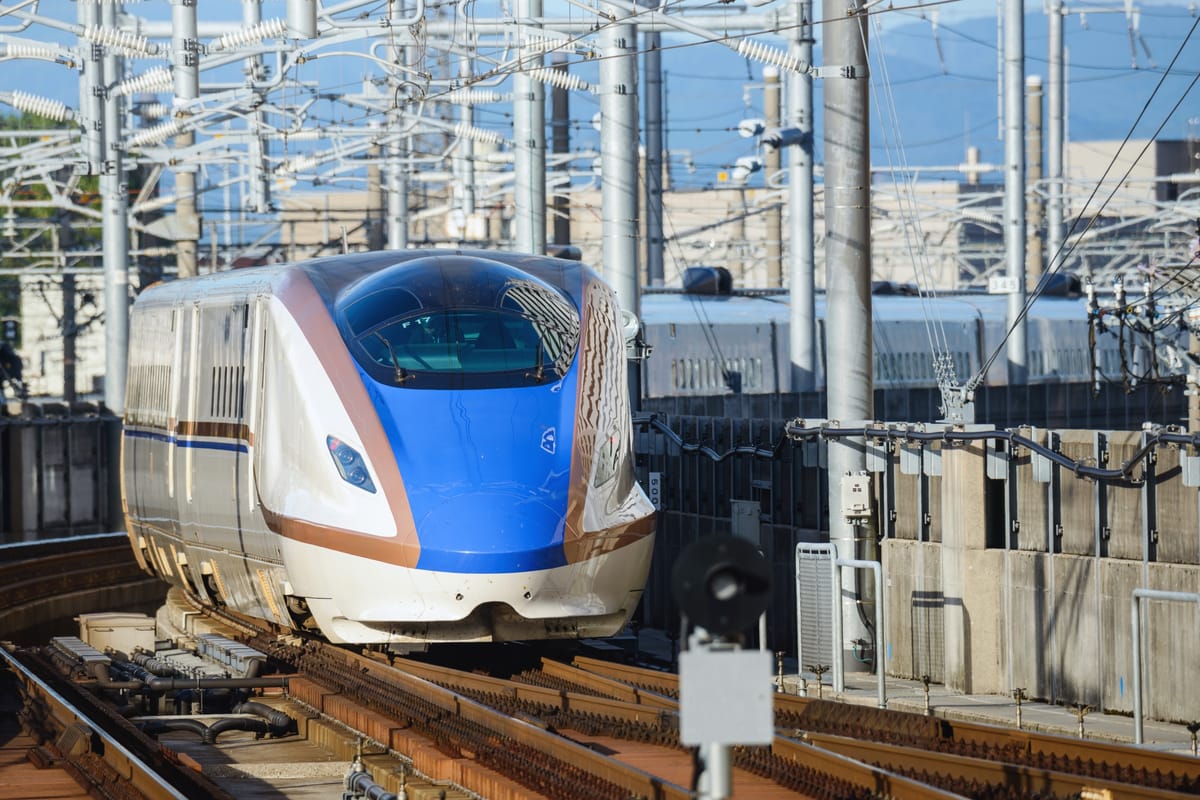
column 491, row 532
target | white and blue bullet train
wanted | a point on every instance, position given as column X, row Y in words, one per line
column 390, row 448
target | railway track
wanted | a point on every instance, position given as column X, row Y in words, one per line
column 585, row 729
column 78, row 732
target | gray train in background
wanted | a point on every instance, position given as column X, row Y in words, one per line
column 712, row 340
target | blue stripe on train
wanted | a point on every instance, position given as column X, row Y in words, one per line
column 487, row 471
column 194, row 443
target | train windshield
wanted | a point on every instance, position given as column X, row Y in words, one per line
column 460, row 323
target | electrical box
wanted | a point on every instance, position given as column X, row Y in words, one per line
column 856, row 496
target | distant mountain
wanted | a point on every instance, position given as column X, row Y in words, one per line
column 943, row 87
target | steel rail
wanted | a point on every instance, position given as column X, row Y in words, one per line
column 987, row 775
column 132, row 767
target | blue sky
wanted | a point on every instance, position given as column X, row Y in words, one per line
column 945, row 103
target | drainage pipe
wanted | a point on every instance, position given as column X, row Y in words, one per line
column 360, row 784
column 257, row 726
column 280, row 723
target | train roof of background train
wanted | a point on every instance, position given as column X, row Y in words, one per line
column 680, row 308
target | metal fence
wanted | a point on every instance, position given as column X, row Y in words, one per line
column 58, row 472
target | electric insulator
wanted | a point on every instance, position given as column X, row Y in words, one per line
column 156, row 80
column 156, row 135
column 131, row 43
column 39, row 106
column 152, row 110
column 471, row 97
column 465, row 131
column 767, row 54
column 15, row 49
column 545, row 44
column 267, row 29
column 559, row 78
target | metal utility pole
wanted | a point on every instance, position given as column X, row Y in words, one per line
column 618, row 157
column 302, row 19
column 376, row 199
column 653, row 102
column 1014, row 185
column 803, row 313
column 464, row 162
column 1054, row 135
column 69, row 331
column 850, row 378
column 773, row 161
column 258, row 178
column 396, row 170
column 560, row 138
column 1035, row 207
column 185, row 54
column 529, row 134
column 91, row 101
column 115, row 227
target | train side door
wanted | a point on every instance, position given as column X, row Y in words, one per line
column 186, row 424
column 257, row 537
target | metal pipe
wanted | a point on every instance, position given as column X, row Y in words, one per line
column 803, row 314
column 258, row 726
column 185, row 50
column 618, row 157
column 115, row 202
column 1054, row 137
column 653, row 104
column 302, row 19
column 91, row 83
column 1014, row 187
column 361, row 784
column 529, row 134
column 1135, row 609
column 880, row 631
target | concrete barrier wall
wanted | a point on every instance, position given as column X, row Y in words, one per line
column 1002, row 570
column 1049, row 611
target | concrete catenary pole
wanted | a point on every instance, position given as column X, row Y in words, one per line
column 560, row 144
column 848, row 286
column 301, row 19
column 397, row 169
column 653, row 103
column 1034, row 205
column 185, row 56
column 773, row 162
column 259, row 177
column 529, row 135
column 1014, row 185
column 115, row 228
column 91, row 101
column 618, row 157
column 803, row 314
column 464, row 162
column 1054, row 138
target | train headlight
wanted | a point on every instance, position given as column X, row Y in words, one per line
column 350, row 464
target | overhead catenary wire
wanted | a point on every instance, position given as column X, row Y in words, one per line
column 1059, row 259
